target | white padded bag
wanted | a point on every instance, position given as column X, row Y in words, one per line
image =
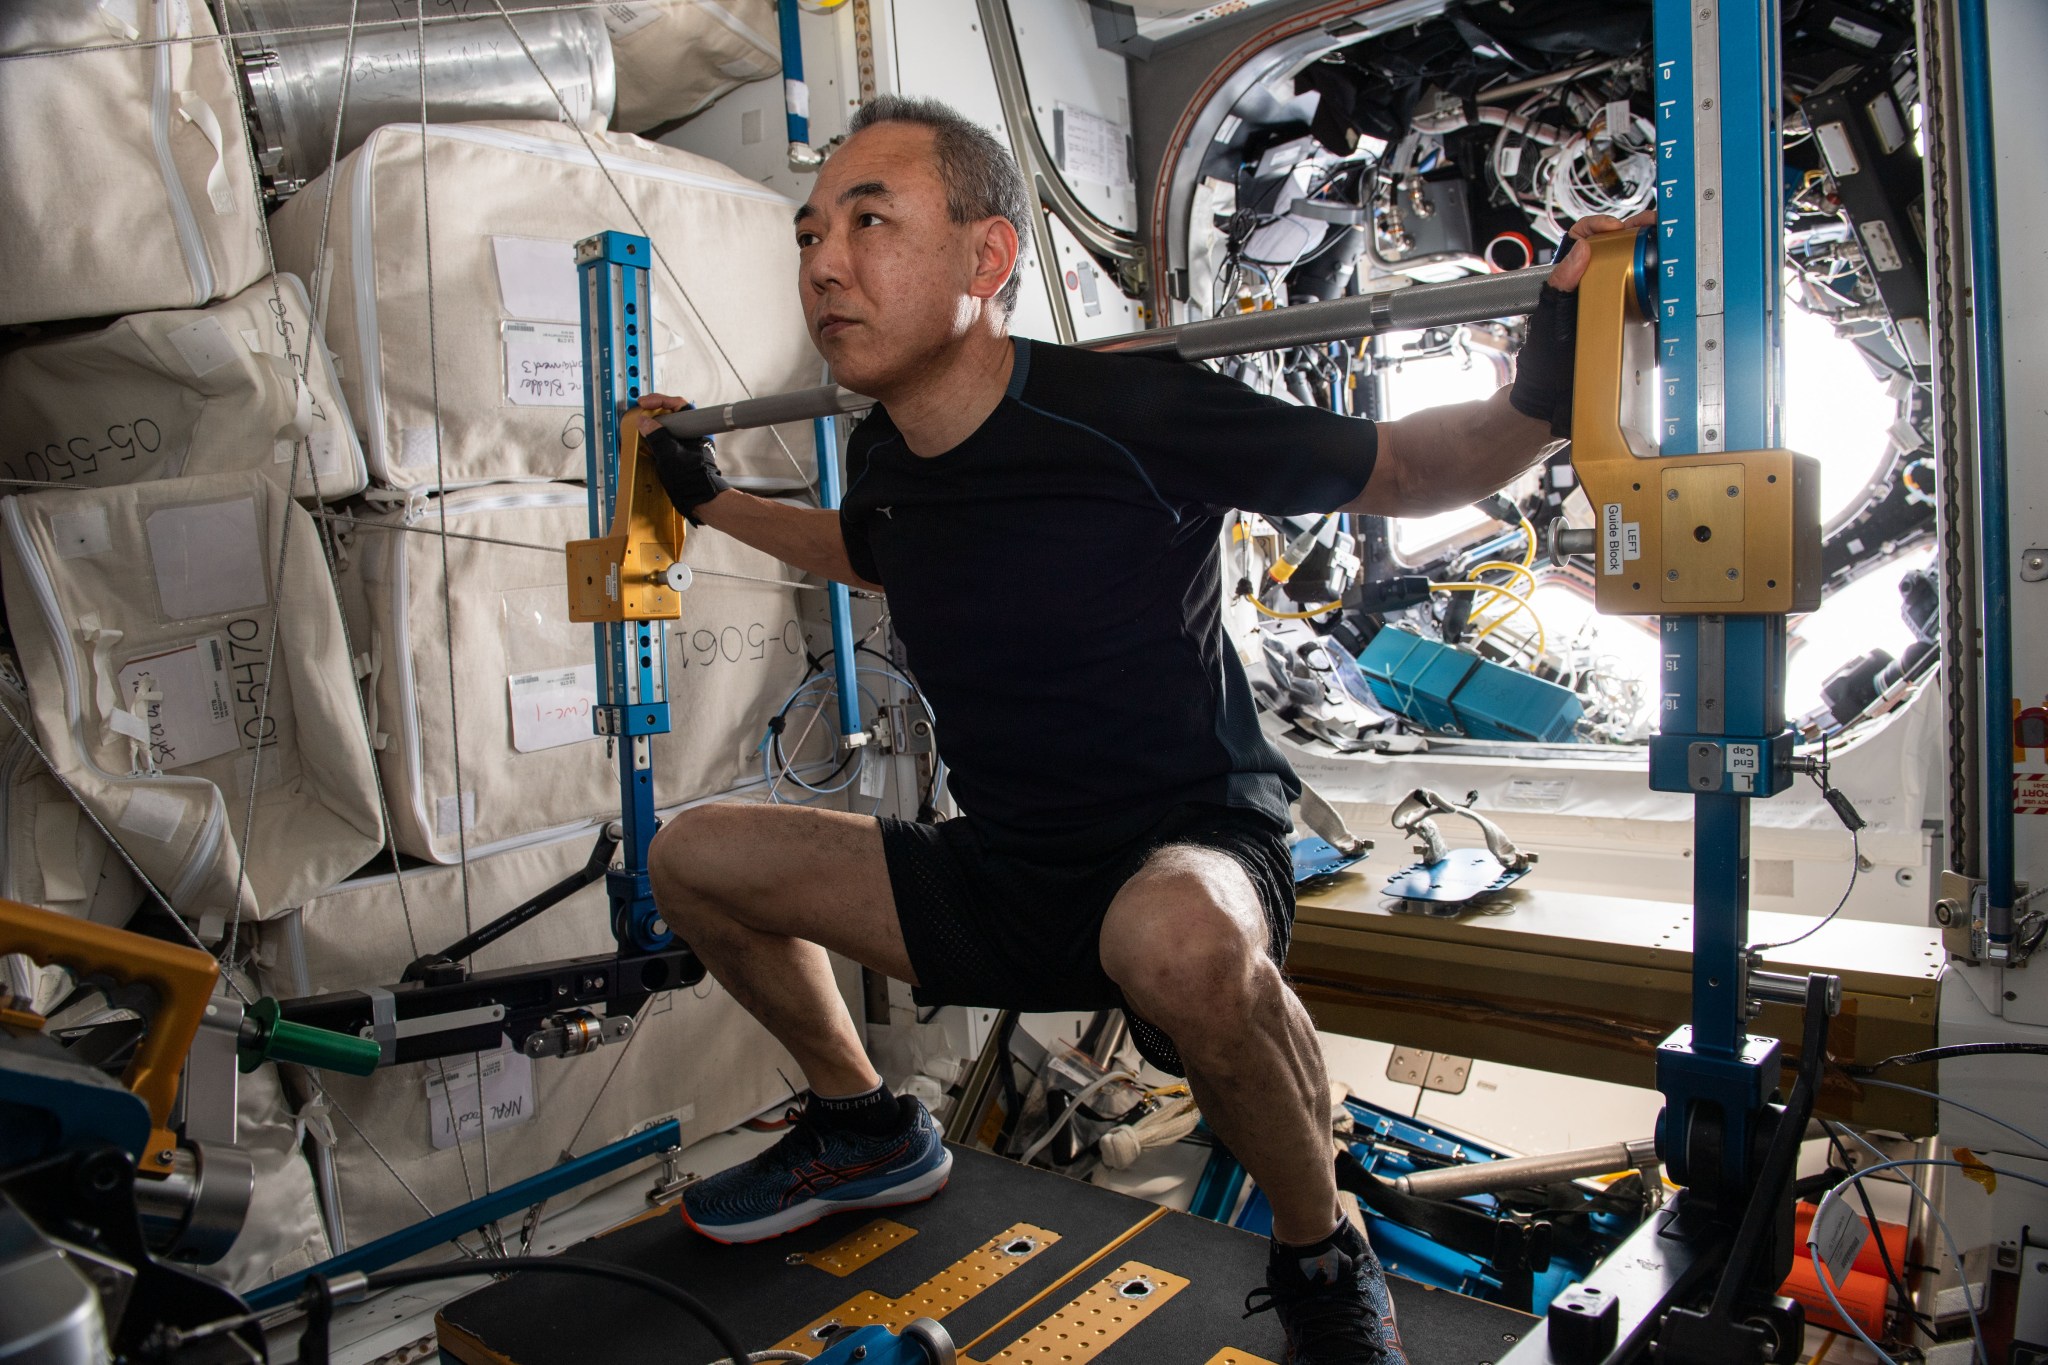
column 127, row 184
column 143, row 615
column 51, row 853
column 695, row 1054
column 526, row 676
column 675, row 57
column 508, row 201
column 159, row 395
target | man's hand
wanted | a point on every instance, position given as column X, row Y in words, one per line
column 1570, row 266
column 685, row 467
column 1543, row 370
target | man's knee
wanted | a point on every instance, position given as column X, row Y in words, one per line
column 1179, row 945
column 685, row 858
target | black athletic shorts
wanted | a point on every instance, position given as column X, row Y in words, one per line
column 1019, row 928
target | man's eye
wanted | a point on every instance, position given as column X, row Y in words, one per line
column 804, row 239
column 868, row 219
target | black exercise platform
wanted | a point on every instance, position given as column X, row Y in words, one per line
column 1006, row 1260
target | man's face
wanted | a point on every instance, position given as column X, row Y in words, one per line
column 888, row 279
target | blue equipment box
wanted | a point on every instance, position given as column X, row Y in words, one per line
column 1454, row 692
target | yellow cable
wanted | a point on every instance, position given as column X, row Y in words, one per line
column 1542, row 641
column 1292, row 615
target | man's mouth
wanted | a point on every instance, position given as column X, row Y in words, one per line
column 831, row 325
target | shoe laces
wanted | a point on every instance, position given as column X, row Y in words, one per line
column 1320, row 1315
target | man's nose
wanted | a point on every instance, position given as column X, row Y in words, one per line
column 824, row 265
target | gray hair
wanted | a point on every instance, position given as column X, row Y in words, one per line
column 980, row 175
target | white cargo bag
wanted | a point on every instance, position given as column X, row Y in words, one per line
column 127, row 184
column 675, row 57
column 51, row 853
column 160, row 395
column 508, row 202
column 282, row 1233
column 695, row 1054
column 143, row 615
column 526, row 677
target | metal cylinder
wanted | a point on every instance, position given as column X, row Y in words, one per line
column 1490, row 1177
column 1511, row 294
column 194, row 1213
column 475, row 69
column 1314, row 324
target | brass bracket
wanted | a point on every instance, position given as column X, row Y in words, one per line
column 635, row 573
column 1095, row 1320
column 856, row 1249
column 182, row 978
column 936, row 1297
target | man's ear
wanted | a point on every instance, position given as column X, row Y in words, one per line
column 995, row 258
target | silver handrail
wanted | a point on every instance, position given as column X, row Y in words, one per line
column 1510, row 294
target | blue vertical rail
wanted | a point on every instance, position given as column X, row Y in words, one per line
column 796, row 96
column 825, row 441
column 1720, row 240
column 1993, row 500
column 632, row 656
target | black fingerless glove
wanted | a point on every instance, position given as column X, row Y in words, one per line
column 1543, row 371
column 686, row 469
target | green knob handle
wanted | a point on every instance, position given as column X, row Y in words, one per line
column 280, row 1040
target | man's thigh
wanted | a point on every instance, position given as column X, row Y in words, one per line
column 818, row 875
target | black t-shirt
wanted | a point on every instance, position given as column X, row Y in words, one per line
column 1057, row 582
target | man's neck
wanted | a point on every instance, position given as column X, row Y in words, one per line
column 948, row 401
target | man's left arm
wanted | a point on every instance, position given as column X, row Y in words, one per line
column 1448, row 456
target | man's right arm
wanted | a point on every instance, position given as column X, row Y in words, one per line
column 806, row 537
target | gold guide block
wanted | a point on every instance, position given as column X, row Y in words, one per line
column 1676, row 534
column 625, row 576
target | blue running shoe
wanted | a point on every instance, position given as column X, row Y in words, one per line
column 1334, row 1308
column 815, row 1171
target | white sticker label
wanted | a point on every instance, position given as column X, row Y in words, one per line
column 1090, row 147
column 1862, row 35
column 80, row 532
column 796, row 98
column 623, row 18
column 1631, row 540
column 204, row 346
column 1613, row 542
column 208, row 558
column 462, row 1106
column 326, row 456
column 1745, row 758
column 543, row 366
column 416, row 446
column 537, row 278
column 193, row 717
column 444, row 813
column 1537, row 793
column 152, row 814
column 552, row 709
column 1838, row 1236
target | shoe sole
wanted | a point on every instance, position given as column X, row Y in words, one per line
column 802, row 1215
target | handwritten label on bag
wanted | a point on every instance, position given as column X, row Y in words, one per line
column 461, row 1106
column 543, row 365
column 552, row 709
column 193, row 719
